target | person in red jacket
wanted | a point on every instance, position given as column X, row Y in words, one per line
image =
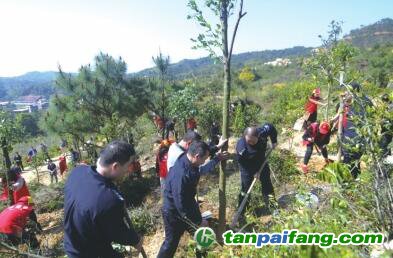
column 62, row 165
column 161, row 162
column 191, row 124
column 18, row 187
column 13, row 221
column 312, row 106
column 318, row 134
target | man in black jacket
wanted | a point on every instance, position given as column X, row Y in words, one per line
column 18, row 160
column 251, row 149
column 94, row 210
column 180, row 205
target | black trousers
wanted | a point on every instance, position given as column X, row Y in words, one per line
column 309, row 151
column 27, row 237
column 385, row 141
column 214, row 139
column 247, row 178
column 20, row 164
column 174, row 229
column 312, row 118
column 353, row 160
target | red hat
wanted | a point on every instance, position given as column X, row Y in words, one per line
column 316, row 91
column 324, row 127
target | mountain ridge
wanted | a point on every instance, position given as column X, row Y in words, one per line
column 37, row 82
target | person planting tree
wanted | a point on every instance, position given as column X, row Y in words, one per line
column 13, row 222
column 317, row 135
column 250, row 150
column 311, row 107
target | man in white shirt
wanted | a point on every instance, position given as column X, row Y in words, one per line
column 176, row 149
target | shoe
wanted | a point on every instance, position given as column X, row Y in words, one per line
column 304, row 168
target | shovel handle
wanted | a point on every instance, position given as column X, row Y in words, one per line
column 144, row 255
column 244, row 201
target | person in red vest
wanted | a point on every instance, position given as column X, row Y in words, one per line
column 18, row 187
column 191, row 124
column 318, row 134
column 312, row 106
column 62, row 165
column 161, row 162
column 13, row 221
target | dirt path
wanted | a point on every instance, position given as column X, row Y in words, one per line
column 316, row 163
column 30, row 174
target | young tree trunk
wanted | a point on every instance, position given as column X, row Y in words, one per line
column 7, row 162
column 328, row 101
column 38, row 174
column 35, row 164
column 340, row 118
column 163, row 104
column 340, row 129
column 225, row 117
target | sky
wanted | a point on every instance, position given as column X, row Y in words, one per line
column 39, row 35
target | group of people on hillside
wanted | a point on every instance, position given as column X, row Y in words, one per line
column 167, row 127
column 95, row 213
column 94, row 209
column 14, row 219
column 317, row 134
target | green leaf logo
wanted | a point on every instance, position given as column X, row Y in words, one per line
column 205, row 237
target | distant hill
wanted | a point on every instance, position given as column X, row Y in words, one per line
column 367, row 36
column 35, row 83
column 364, row 37
column 205, row 66
column 41, row 83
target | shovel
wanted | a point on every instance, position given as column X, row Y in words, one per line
column 244, row 201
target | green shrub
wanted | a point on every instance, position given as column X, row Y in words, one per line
column 208, row 113
column 54, row 151
column 135, row 190
column 249, row 115
column 144, row 133
column 335, row 173
column 47, row 198
column 286, row 102
column 283, row 165
column 143, row 220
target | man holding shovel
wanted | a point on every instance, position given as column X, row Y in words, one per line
column 180, row 210
column 251, row 149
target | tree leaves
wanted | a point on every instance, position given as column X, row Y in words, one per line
column 96, row 99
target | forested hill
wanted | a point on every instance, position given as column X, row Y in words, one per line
column 367, row 36
column 41, row 83
column 32, row 83
column 205, row 65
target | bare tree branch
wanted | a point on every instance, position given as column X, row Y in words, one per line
column 240, row 16
column 18, row 251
